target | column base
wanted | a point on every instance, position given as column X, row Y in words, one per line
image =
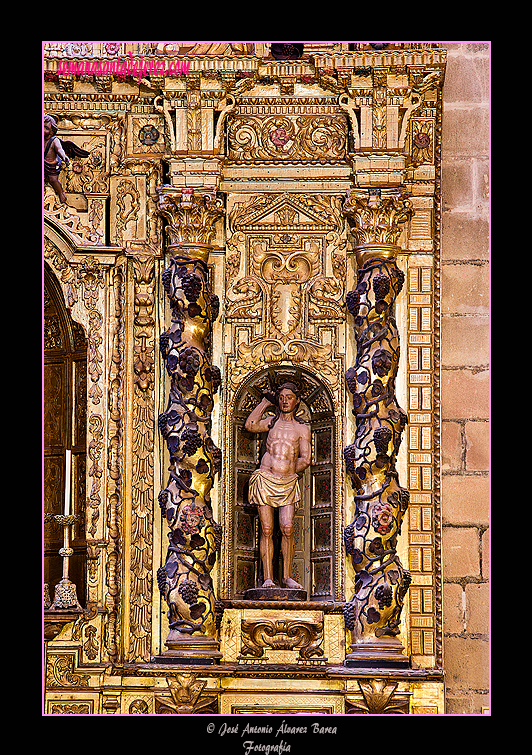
column 187, row 649
column 378, row 653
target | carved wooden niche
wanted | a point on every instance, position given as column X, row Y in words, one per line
column 65, row 419
column 316, row 522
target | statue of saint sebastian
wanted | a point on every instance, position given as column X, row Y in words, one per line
column 275, row 484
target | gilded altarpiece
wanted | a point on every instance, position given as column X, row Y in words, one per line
column 324, row 170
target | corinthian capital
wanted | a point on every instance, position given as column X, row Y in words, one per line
column 191, row 215
column 376, row 217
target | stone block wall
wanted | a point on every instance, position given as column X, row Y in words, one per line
column 465, row 377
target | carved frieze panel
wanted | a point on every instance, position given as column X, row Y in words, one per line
column 260, row 131
column 285, row 281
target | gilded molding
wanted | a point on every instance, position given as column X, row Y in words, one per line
column 143, row 419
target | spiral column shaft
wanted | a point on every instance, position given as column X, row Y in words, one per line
column 186, row 347
column 373, row 613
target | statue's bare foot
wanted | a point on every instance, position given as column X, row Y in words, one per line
column 292, row 584
column 268, row 583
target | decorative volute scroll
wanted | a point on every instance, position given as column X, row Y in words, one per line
column 373, row 613
column 185, row 580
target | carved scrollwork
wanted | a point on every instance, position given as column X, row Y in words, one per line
column 307, row 636
column 245, row 300
column 283, row 137
column 292, row 281
column 319, row 357
column 60, row 672
column 325, row 299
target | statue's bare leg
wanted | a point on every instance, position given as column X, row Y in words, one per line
column 56, row 185
column 266, row 544
column 286, row 522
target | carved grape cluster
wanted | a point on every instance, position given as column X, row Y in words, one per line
column 349, row 538
column 191, row 439
column 351, row 379
column 349, row 456
column 191, row 285
column 161, row 579
column 189, row 361
column 348, row 609
column 215, row 306
column 381, row 439
column 216, row 377
column 381, row 362
column 383, row 594
column 163, row 500
column 352, row 301
column 189, row 591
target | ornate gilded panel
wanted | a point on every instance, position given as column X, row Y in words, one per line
column 285, row 283
column 271, row 129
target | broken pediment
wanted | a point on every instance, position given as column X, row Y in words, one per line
column 287, row 212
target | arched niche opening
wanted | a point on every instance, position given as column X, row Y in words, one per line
column 317, row 521
column 64, row 428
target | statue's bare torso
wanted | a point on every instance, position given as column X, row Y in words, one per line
column 283, row 447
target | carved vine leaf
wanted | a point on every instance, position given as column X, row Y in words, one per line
column 379, row 696
column 185, row 696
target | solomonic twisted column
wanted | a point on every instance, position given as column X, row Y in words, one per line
column 373, row 613
column 194, row 537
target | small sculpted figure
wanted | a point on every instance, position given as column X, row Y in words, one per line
column 275, row 484
column 57, row 152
